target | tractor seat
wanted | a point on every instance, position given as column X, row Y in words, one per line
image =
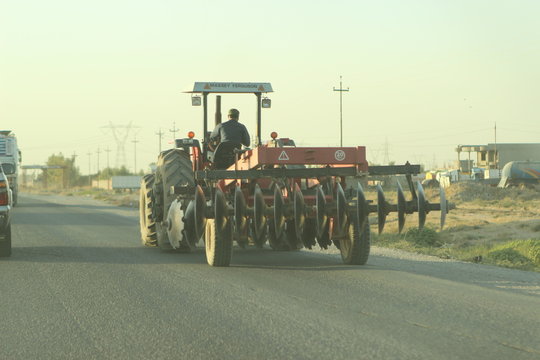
column 224, row 155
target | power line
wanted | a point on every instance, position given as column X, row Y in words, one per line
column 120, row 134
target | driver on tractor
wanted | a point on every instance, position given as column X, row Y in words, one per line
column 229, row 136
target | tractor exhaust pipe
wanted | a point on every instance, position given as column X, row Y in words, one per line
column 218, row 110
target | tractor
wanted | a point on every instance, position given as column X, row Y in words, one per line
column 273, row 194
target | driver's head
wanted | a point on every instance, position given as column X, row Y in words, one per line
column 234, row 114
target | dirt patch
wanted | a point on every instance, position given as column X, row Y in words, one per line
column 471, row 191
column 490, row 225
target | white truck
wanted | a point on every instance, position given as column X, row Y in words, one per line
column 10, row 159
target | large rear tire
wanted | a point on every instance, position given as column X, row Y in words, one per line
column 174, row 168
column 146, row 218
column 5, row 242
column 355, row 245
column 218, row 242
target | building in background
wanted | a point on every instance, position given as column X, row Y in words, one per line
column 495, row 156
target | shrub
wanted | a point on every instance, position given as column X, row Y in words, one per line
column 508, row 255
column 425, row 237
column 534, row 252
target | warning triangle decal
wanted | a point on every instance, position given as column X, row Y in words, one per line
column 283, row 156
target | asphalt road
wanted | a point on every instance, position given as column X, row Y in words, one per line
column 80, row 286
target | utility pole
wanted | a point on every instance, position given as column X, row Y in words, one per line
column 174, row 130
column 386, row 159
column 98, row 152
column 69, row 169
column 89, row 176
column 135, row 141
column 109, row 175
column 341, row 90
column 495, row 155
column 108, row 151
column 160, row 135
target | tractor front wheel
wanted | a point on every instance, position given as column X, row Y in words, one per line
column 174, row 168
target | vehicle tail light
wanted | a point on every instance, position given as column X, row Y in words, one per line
column 4, row 200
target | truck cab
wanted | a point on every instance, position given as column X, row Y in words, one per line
column 10, row 160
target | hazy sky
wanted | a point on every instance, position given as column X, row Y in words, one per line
column 424, row 76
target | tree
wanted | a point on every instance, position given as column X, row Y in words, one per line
column 107, row 173
column 68, row 175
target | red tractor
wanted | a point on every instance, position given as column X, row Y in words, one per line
column 289, row 197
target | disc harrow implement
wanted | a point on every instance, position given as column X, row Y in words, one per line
column 273, row 195
column 289, row 218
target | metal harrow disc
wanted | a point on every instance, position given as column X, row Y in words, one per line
column 220, row 210
column 401, row 207
column 422, row 205
column 239, row 212
column 444, row 207
column 189, row 223
column 299, row 212
column 342, row 214
column 362, row 208
column 259, row 218
column 279, row 217
column 175, row 225
column 199, row 212
column 218, row 238
column 381, row 208
column 320, row 207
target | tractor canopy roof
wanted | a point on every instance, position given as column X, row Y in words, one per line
column 230, row 87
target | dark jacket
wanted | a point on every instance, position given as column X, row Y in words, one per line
column 231, row 130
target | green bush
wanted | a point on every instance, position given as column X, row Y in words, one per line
column 508, row 255
column 425, row 237
column 534, row 252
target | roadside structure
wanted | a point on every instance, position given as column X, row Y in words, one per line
column 495, row 156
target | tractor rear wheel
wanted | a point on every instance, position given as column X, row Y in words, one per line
column 218, row 242
column 146, row 219
column 174, row 167
column 355, row 245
